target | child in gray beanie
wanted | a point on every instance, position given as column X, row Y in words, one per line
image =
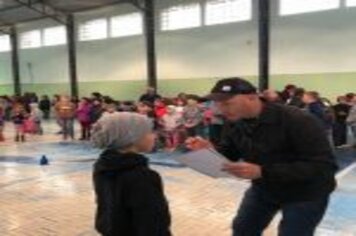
column 130, row 196
column 120, row 130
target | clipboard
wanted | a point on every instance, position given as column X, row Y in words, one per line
column 206, row 161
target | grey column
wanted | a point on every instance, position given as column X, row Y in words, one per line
column 264, row 43
column 149, row 22
column 72, row 55
column 15, row 61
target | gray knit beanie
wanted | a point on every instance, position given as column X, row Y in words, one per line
column 120, row 130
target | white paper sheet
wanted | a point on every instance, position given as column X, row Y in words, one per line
column 206, row 161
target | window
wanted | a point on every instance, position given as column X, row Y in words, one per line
column 31, row 39
column 226, row 11
column 290, row 7
column 54, row 36
column 5, row 43
column 93, row 30
column 351, row 3
column 180, row 17
column 126, row 25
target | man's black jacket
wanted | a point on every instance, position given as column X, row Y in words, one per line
column 291, row 146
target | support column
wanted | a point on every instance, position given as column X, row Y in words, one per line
column 149, row 22
column 264, row 45
column 72, row 55
column 15, row 61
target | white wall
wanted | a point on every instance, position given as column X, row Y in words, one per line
column 213, row 51
column 5, row 68
column 45, row 64
column 208, row 51
column 113, row 58
column 97, row 60
column 321, row 42
column 318, row 42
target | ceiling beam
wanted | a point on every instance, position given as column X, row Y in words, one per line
column 9, row 24
column 100, row 6
column 48, row 11
column 15, row 7
column 10, row 8
column 3, row 31
column 6, row 30
column 44, row 9
column 5, row 27
column 138, row 4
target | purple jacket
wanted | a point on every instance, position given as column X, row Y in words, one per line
column 83, row 112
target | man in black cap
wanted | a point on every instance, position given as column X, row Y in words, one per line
column 283, row 151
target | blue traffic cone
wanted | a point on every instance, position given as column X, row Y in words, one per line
column 44, row 161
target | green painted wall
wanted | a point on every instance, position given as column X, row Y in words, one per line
column 5, row 69
column 48, row 89
column 332, row 85
column 123, row 90
column 6, row 89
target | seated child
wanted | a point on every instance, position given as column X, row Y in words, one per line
column 130, row 196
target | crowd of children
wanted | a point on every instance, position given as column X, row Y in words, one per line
column 175, row 119
column 25, row 115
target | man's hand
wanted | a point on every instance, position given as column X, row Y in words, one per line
column 244, row 170
column 198, row 143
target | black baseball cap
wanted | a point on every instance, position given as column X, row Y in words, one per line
column 227, row 88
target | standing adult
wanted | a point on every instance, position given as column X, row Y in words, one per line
column 342, row 110
column 83, row 115
column 351, row 121
column 283, row 151
column 315, row 106
column 150, row 96
column 45, row 106
column 65, row 110
column 297, row 99
column 288, row 92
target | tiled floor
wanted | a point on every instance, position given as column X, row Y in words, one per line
column 58, row 199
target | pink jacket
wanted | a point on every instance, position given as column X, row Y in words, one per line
column 83, row 112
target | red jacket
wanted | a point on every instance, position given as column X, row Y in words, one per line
column 160, row 111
